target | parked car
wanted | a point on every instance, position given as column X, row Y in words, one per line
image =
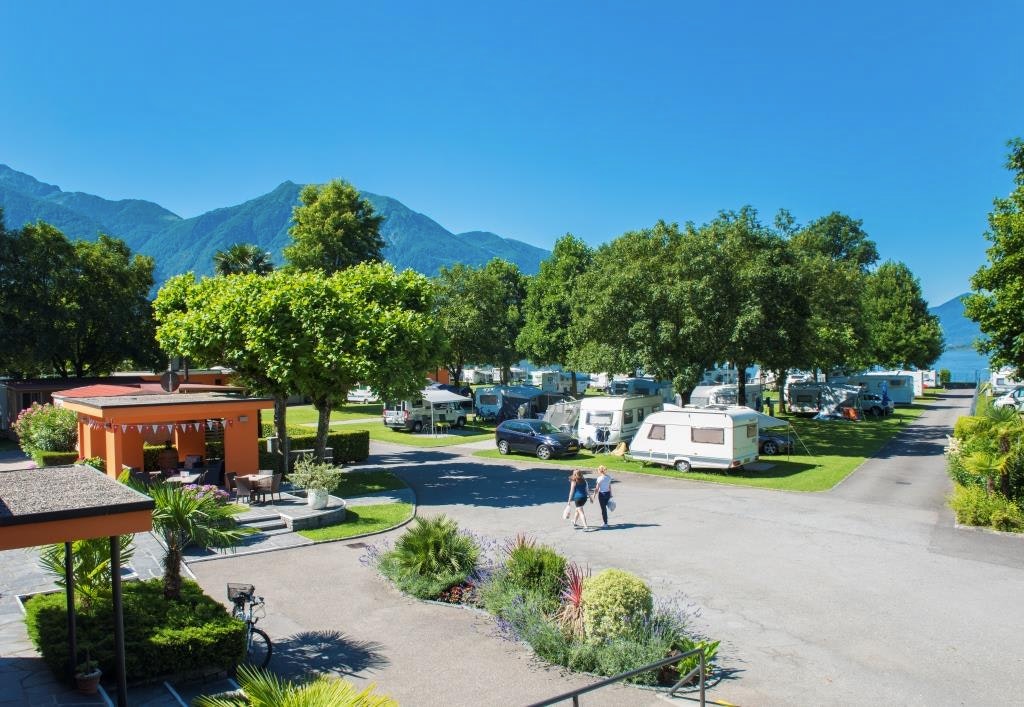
column 770, row 444
column 874, row 405
column 362, row 395
column 534, row 437
column 1013, row 399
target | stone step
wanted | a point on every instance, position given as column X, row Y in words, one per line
column 266, row 525
column 257, row 517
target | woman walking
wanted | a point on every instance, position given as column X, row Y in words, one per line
column 604, row 491
column 578, row 495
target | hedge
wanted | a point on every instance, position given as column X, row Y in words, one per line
column 55, row 458
column 192, row 635
column 967, row 425
column 349, row 446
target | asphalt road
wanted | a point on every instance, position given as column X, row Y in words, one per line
column 867, row 593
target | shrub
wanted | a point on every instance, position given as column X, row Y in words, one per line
column 90, row 564
column 968, row 426
column 309, row 474
column 614, row 600
column 96, row 463
column 350, row 446
column 45, row 428
column 194, row 633
column 537, row 568
column 431, row 556
column 55, row 458
column 973, row 505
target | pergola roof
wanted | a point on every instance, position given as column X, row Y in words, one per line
column 63, row 503
column 141, row 400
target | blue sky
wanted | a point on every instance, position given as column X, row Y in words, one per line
column 535, row 119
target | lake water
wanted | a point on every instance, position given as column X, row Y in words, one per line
column 965, row 365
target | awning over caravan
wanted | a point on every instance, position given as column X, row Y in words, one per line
column 435, row 396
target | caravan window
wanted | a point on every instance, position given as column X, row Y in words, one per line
column 804, row 399
column 599, row 418
column 895, row 382
column 627, row 417
column 751, row 430
column 656, row 432
column 639, row 414
column 708, row 435
column 488, row 399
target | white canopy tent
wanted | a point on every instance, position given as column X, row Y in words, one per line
column 440, row 396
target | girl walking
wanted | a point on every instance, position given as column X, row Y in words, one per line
column 578, row 495
column 604, row 491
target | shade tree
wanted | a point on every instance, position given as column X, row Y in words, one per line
column 333, row 228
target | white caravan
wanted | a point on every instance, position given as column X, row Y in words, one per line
column 899, row 387
column 559, row 382
column 1004, row 380
column 917, row 376
column 613, row 419
column 720, row 437
column 715, row 394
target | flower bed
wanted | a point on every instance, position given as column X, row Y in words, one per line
column 604, row 625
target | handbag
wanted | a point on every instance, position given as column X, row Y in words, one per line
column 611, row 504
column 567, row 512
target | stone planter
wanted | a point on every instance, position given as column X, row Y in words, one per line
column 317, row 498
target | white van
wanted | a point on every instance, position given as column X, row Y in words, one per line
column 613, row 419
column 710, row 438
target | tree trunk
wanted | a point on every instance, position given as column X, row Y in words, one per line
column 281, row 430
column 172, row 570
column 780, row 384
column 323, row 425
column 573, row 392
column 741, row 383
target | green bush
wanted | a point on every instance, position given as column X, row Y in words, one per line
column 46, row 428
column 537, row 568
column 613, row 601
column 968, row 426
column 161, row 637
column 55, row 458
column 973, row 505
column 431, row 556
column 346, row 447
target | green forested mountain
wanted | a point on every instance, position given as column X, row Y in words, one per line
column 413, row 239
column 958, row 330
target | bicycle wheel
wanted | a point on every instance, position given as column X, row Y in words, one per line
column 260, row 648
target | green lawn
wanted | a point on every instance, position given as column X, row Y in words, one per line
column 361, row 520
column 469, row 433
column 836, row 449
column 361, row 483
column 307, row 414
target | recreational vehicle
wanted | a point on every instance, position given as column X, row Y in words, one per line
column 433, row 406
column 1004, row 380
column 504, row 402
column 719, row 437
column 898, row 387
column 642, row 386
column 476, row 376
column 559, row 382
column 826, row 399
column 916, row 376
column 613, row 419
column 715, row 394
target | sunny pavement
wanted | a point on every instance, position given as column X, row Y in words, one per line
column 867, row 593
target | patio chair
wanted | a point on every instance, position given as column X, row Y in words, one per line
column 275, row 486
column 243, row 488
column 229, row 481
column 214, row 473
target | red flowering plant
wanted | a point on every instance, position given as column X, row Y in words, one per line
column 46, row 428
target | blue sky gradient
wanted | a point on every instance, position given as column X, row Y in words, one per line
column 536, row 119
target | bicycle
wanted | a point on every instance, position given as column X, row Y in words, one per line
column 258, row 647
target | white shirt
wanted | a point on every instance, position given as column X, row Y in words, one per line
column 604, row 484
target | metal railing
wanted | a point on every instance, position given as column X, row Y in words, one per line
column 700, row 670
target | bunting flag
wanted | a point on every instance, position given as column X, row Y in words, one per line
column 197, row 425
column 124, row 428
column 156, row 428
column 138, row 428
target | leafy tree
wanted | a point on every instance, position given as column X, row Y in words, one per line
column 998, row 301
column 552, row 300
column 502, row 291
column 333, row 228
column 902, row 331
column 840, row 238
column 460, row 317
column 242, row 258
column 78, row 308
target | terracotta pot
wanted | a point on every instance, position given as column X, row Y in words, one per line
column 88, row 683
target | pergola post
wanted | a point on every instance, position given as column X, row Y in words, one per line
column 69, row 591
column 115, row 583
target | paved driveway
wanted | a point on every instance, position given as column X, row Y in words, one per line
column 863, row 594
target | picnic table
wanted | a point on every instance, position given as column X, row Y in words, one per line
column 183, row 477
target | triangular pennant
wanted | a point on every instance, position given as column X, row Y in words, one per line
column 209, row 424
column 124, row 428
column 138, row 428
column 197, row 425
column 156, row 428
column 170, row 429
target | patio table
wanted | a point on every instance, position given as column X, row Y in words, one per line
column 189, row 478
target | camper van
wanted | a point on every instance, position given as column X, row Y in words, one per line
column 642, row 386
column 898, row 387
column 719, row 437
column 613, row 419
column 433, row 406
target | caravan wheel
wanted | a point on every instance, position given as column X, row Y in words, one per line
column 682, row 465
column 417, row 427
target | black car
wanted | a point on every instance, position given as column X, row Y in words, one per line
column 535, row 437
column 770, row 444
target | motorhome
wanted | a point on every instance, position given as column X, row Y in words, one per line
column 642, row 386
column 716, row 394
column 916, row 376
column 820, row 398
column 609, row 420
column 477, row 376
column 1004, row 380
column 898, row 387
column 504, row 402
column 433, row 406
column 717, row 437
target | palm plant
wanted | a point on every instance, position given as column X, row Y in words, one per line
column 261, row 688
column 182, row 517
column 242, row 259
column 90, row 564
column 435, row 546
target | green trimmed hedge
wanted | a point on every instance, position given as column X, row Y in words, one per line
column 55, row 458
column 351, row 446
column 162, row 637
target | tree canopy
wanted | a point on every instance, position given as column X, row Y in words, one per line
column 332, row 229
column 998, row 301
column 902, row 333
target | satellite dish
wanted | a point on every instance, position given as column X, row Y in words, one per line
column 169, row 381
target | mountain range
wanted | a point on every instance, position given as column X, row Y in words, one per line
column 959, row 331
column 412, row 240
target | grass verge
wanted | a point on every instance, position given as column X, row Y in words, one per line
column 836, row 449
column 469, row 433
column 361, row 483
column 307, row 414
column 361, row 520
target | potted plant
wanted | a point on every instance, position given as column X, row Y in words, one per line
column 87, row 675
column 318, row 478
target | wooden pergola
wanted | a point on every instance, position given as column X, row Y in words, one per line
column 62, row 504
column 116, row 427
